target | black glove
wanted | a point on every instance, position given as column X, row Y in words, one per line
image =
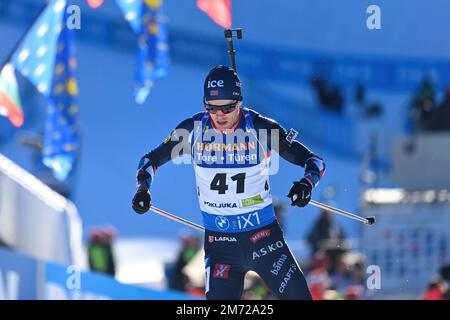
column 300, row 193
column 141, row 201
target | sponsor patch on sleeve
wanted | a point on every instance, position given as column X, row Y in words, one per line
column 221, row 271
column 291, row 135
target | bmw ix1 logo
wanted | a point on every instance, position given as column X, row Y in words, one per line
column 222, row 223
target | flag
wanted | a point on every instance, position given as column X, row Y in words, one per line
column 35, row 56
column 10, row 105
column 95, row 4
column 218, row 10
column 61, row 130
column 46, row 57
column 149, row 22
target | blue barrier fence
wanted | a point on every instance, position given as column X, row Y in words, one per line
column 25, row 278
column 17, row 276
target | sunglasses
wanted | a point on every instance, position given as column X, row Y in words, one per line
column 225, row 108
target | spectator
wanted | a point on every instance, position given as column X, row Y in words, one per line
column 353, row 293
column 198, row 292
column 341, row 277
column 436, row 290
column 366, row 109
column 329, row 97
column 442, row 114
column 358, row 289
column 445, row 274
column 357, row 274
column 193, row 273
column 325, row 233
column 100, row 251
column 360, row 95
column 423, row 107
column 189, row 247
column 319, row 282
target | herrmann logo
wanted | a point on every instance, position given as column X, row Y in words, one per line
column 209, row 142
column 212, row 239
column 267, row 249
column 222, row 223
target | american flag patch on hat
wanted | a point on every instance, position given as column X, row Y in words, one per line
column 213, row 93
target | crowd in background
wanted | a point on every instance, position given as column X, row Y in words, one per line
column 332, row 98
column 427, row 112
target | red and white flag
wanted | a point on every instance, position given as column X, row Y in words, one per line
column 218, row 10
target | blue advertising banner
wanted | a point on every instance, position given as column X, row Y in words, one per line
column 68, row 283
column 20, row 276
column 17, row 276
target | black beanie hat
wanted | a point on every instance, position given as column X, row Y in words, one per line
column 222, row 83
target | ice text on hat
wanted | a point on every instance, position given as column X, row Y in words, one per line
column 215, row 83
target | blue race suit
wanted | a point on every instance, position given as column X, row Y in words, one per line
column 232, row 177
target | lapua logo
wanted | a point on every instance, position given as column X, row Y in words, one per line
column 211, row 239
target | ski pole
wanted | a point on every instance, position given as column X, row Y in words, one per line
column 368, row 220
column 177, row 219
